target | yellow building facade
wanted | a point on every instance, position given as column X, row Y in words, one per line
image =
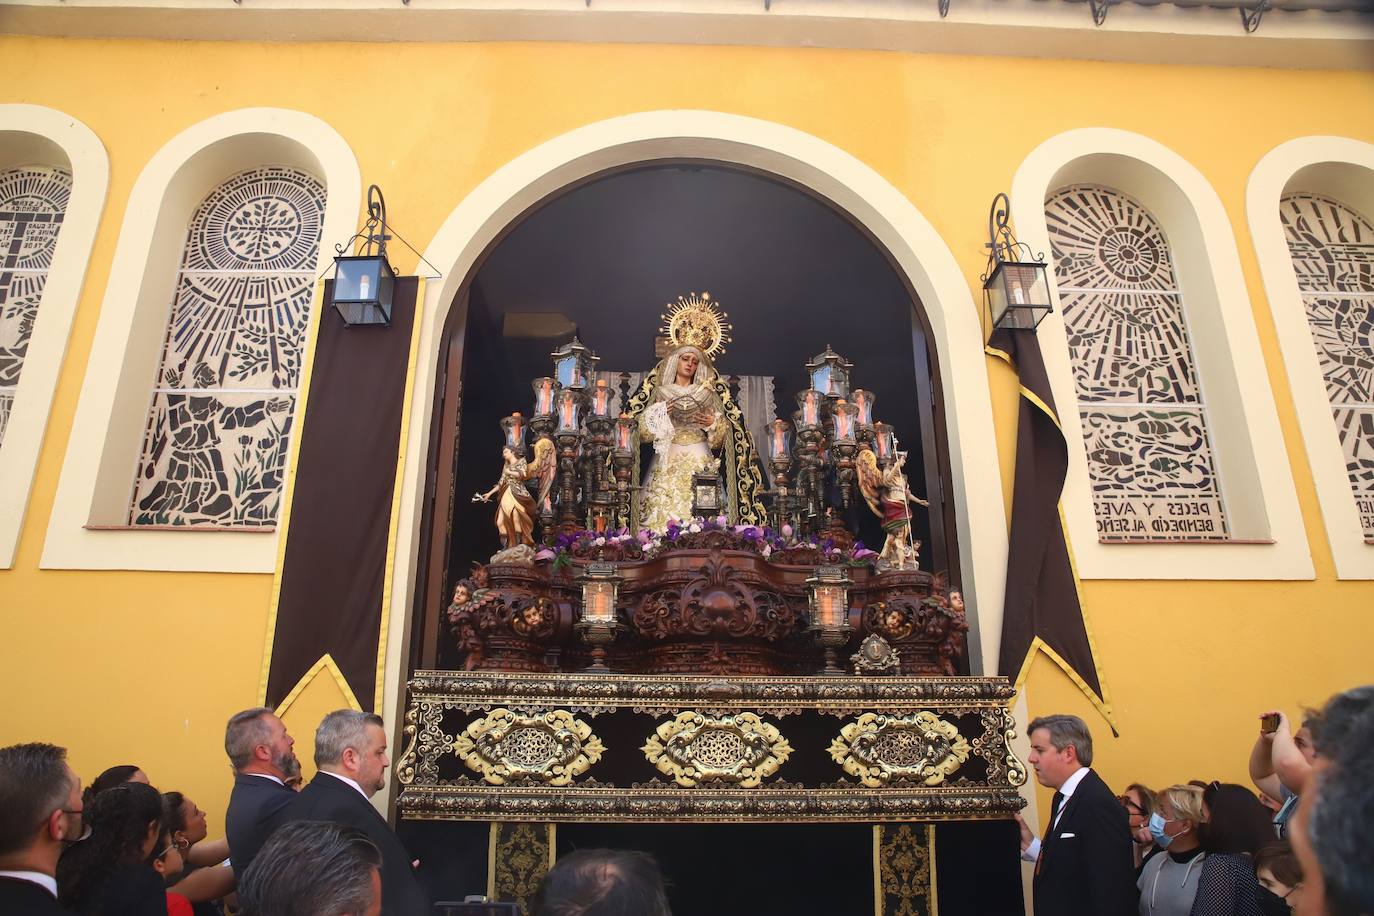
column 136, row 645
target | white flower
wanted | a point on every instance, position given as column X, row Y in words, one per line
column 599, row 542
column 767, row 549
column 694, row 528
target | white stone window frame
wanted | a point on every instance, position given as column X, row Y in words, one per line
column 1268, row 539
column 88, row 527
column 1342, row 169
column 34, row 135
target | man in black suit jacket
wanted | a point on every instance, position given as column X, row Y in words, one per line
column 40, row 812
column 262, row 755
column 1084, row 864
column 350, row 751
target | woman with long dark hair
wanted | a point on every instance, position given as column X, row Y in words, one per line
column 1234, row 827
column 109, row 873
column 114, row 776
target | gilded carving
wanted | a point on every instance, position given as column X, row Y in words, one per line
column 552, row 748
column 740, row 749
column 520, row 862
column 878, row 749
column 904, row 873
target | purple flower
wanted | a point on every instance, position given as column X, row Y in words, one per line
column 864, row 554
column 543, row 554
column 787, row 531
column 858, row 547
column 643, row 535
column 562, row 542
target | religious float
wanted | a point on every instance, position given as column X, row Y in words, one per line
column 679, row 630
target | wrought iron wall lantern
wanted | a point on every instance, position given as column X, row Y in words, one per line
column 365, row 282
column 1015, row 287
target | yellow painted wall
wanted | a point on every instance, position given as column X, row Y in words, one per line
column 145, row 667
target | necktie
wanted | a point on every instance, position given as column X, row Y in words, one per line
column 1055, row 805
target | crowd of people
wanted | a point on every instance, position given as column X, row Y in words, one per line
column 1304, row 843
column 1301, row 841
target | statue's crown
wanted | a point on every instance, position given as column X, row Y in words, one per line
column 695, row 321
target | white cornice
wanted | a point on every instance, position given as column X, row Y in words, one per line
column 1133, row 32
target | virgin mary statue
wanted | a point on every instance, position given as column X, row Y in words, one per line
column 685, row 409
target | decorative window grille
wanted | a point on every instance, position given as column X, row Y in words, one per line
column 220, row 418
column 33, row 200
column 1333, row 255
column 1145, row 427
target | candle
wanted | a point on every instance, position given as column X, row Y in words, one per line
column 543, row 397
column 622, row 433
column 601, row 400
column 844, row 421
column 809, row 410
column 567, row 411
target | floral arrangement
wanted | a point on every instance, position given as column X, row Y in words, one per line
column 779, row 546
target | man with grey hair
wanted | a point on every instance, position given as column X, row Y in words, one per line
column 313, row 868
column 350, row 752
column 40, row 813
column 262, row 755
column 1084, row 864
column 1333, row 829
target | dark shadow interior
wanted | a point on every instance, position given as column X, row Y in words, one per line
column 605, row 258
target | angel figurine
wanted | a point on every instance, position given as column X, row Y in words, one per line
column 888, row 495
column 515, row 508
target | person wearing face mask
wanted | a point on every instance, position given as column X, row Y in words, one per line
column 1140, row 803
column 1234, row 827
column 41, row 812
column 1168, row 882
column 1279, row 873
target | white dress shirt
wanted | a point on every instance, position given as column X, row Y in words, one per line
column 267, row 776
column 37, row 877
column 1032, row 852
column 356, row 787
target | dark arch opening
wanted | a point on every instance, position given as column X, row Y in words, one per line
column 604, row 257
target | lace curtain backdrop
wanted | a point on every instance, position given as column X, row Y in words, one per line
column 755, row 400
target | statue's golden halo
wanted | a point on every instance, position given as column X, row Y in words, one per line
column 695, row 321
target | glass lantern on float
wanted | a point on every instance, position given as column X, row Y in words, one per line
column 572, row 364
column 863, row 404
column 1015, row 285
column 599, row 623
column 568, row 412
column 810, row 404
column 884, row 443
column 365, row 282
column 830, row 373
column 706, row 502
column 829, row 601
column 514, row 427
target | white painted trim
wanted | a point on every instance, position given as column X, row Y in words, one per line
column 33, row 135
column 831, row 172
column 1256, row 480
column 1342, row 169
column 102, row 453
column 1161, row 33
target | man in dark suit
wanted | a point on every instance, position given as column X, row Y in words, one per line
column 262, row 755
column 350, row 751
column 40, row 813
column 1084, row 863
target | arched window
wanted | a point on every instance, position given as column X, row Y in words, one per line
column 1333, row 257
column 1144, row 419
column 33, row 200
column 215, row 445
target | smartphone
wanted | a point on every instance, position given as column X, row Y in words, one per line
column 1270, row 723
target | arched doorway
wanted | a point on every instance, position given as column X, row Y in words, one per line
column 963, row 408
column 601, row 260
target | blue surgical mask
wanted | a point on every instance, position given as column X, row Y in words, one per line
column 1162, row 839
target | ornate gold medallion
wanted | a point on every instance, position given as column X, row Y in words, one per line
column 695, row 321
column 553, row 748
column 693, row 748
column 879, row 749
